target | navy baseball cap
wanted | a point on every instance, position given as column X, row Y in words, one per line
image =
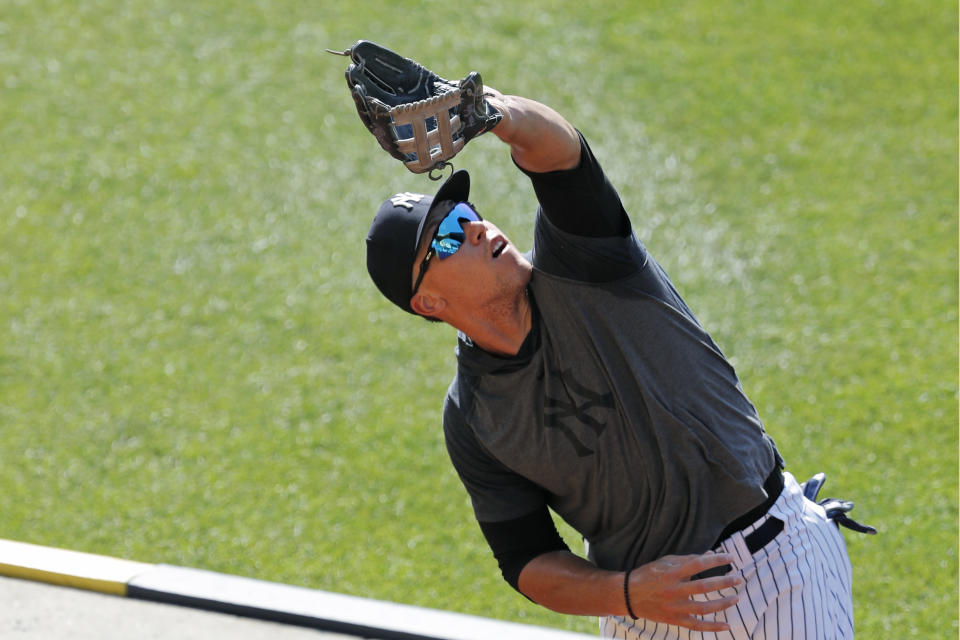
column 396, row 232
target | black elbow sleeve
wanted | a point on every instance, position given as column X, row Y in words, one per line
column 516, row 542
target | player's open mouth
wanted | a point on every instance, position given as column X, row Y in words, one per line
column 498, row 246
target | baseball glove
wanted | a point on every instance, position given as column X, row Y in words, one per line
column 418, row 117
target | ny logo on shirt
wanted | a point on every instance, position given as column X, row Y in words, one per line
column 575, row 410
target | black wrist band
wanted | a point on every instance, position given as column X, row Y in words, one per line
column 626, row 593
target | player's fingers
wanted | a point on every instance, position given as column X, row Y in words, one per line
column 703, row 607
column 690, row 565
column 706, row 585
column 699, row 624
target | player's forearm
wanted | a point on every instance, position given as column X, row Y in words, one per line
column 663, row 590
column 540, row 139
column 565, row 583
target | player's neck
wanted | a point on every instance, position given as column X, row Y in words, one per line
column 502, row 329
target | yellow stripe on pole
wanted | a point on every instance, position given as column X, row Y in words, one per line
column 68, row 568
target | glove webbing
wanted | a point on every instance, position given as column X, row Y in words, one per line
column 433, row 146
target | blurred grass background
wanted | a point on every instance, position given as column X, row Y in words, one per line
column 195, row 370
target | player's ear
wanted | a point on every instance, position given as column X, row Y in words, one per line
column 427, row 304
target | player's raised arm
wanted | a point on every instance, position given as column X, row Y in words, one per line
column 540, row 139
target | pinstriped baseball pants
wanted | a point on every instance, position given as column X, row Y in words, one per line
column 796, row 587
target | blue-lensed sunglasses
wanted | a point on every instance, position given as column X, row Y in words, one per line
column 448, row 237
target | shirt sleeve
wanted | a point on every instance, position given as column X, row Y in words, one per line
column 512, row 511
column 582, row 231
column 516, row 542
column 581, row 201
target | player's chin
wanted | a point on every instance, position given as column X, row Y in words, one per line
column 517, row 266
column 514, row 259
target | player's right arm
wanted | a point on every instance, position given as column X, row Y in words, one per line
column 659, row 591
column 535, row 561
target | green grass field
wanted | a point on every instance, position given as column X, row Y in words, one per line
column 195, row 370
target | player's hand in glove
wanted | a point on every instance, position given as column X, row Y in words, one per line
column 418, row 117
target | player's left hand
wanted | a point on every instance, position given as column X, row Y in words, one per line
column 663, row 591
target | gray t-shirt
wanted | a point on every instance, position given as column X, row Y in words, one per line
column 620, row 413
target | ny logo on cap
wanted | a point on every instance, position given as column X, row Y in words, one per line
column 406, row 199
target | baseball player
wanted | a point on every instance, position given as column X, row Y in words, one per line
column 586, row 386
